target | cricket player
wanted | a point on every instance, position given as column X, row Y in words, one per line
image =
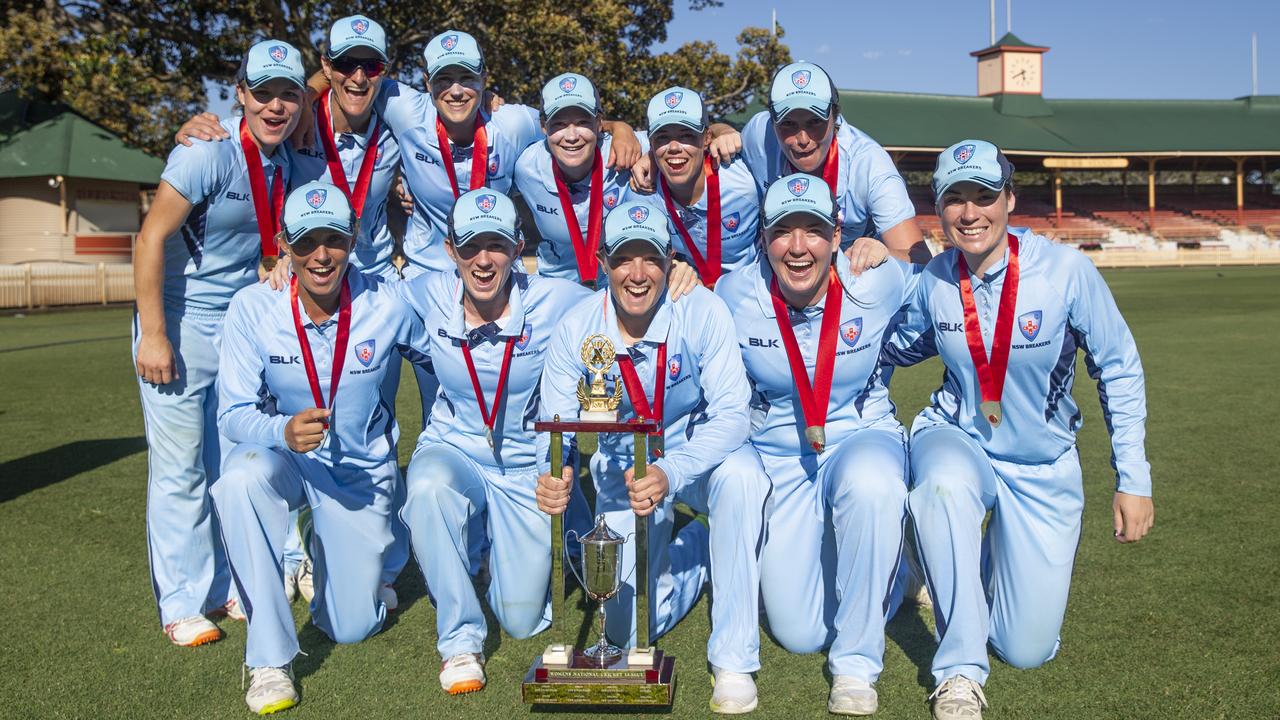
column 474, row 471
column 679, row 364
column 1008, row 310
column 824, row 429
column 711, row 208
column 213, row 220
column 307, row 396
column 564, row 180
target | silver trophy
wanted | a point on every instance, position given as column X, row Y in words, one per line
column 601, row 577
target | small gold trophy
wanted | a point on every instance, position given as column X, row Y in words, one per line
column 597, row 404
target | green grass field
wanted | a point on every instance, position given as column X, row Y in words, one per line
column 1183, row 625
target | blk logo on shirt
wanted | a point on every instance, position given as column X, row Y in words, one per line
column 1029, row 324
column 364, row 352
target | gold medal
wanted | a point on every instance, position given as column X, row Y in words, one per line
column 816, row 436
column 991, row 411
column 269, row 262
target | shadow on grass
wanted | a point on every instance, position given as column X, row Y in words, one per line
column 47, row 467
column 910, row 632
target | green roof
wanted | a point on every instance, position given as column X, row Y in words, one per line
column 40, row 139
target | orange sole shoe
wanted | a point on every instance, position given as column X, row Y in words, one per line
column 466, row 686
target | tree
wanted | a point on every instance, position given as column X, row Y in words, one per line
column 138, row 67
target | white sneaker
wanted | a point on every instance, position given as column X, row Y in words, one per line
column 291, row 586
column 192, row 631
column 270, row 690
column 387, row 595
column 732, row 693
column 462, row 674
column 852, row 696
column 234, row 611
column 958, row 698
column 305, row 580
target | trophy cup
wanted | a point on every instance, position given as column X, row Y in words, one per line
column 602, row 674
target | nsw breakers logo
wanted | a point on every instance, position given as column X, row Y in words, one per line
column 964, row 152
column 798, row 186
column 639, row 213
column 316, row 198
column 361, row 26
column 731, row 222
column 449, row 42
column 1029, row 324
column 567, row 84
column 486, row 203
column 800, row 78
column 526, row 333
column 851, row 331
column 673, row 366
column 611, row 199
column 365, row 352
column 673, row 99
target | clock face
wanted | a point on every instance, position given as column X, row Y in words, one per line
column 1022, row 73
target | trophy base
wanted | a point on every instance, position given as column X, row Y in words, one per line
column 584, row 682
column 609, row 416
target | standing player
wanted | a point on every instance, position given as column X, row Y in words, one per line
column 474, row 471
column 810, row 334
column 711, row 208
column 679, row 365
column 1007, row 310
column 215, row 216
column 307, row 394
column 565, row 183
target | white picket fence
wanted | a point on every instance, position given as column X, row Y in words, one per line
column 43, row 284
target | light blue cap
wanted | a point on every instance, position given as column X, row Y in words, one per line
column 799, row 193
column 357, row 31
column 678, row 105
column 569, row 90
column 453, row 47
column 976, row 161
column 271, row 59
column 317, row 206
column 800, row 86
column 482, row 211
column 636, row 221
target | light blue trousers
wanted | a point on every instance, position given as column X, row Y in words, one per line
column 734, row 496
column 1009, row 587
column 832, row 549
column 189, row 573
column 351, row 511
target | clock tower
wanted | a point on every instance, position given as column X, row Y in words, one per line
column 1010, row 67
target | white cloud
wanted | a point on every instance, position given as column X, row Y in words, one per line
column 872, row 54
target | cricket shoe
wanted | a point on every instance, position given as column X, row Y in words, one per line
column 291, row 586
column 852, row 696
column 462, row 674
column 732, row 693
column 234, row 611
column 192, row 631
column 271, row 690
column 958, row 698
column 305, row 580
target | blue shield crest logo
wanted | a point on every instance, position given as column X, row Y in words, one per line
column 639, row 213
column 800, row 78
column 449, row 42
column 278, row 52
column 568, row 84
column 316, row 198
column 851, row 331
column 494, row 164
column 523, row 341
column 486, row 203
column 673, row 366
column 364, row 352
column 360, row 26
column 611, row 198
column 731, row 222
column 673, row 98
column 963, row 153
column 798, row 186
column 1029, row 324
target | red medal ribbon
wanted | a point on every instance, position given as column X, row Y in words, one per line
column 336, row 173
column 267, row 211
column 708, row 268
column 584, row 252
column 814, row 398
column 635, row 390
column 489, row 415
column 339, row 344
column 479, row 155
column 990, row 373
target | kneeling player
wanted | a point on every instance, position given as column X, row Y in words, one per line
column 307, row 393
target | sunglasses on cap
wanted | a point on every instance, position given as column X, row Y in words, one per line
column 373, row 67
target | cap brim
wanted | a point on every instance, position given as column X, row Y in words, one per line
column 982, row 179
column 556, row 107
column 256, row 82
column 480, row 228
column 770, row 221
column 337, row 52
column 661, row 247
column 291, row 238
column 477, row 69
column 786, row 107
column 682, row 122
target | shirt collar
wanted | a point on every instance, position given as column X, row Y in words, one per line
column 659, row 327
column 355, row 280
column 510, row 325
column 764, row 278
column 549, row 177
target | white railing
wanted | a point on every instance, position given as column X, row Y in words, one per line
column 44, row 284
column 1205, row 256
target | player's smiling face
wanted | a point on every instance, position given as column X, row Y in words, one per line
column 800, row 247
column 572, row 136
column 353, row 86
column 975, row 219
column 319, row 260
column 805, row 138
column 457, row 92
column 270, row 110
column 484, row 264
column 637, row 277
column 678, row 151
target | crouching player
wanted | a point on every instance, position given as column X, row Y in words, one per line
column 825, row 431
column 679, row 365
column 1000, row 433
column 307, row 392
column 474, row 472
